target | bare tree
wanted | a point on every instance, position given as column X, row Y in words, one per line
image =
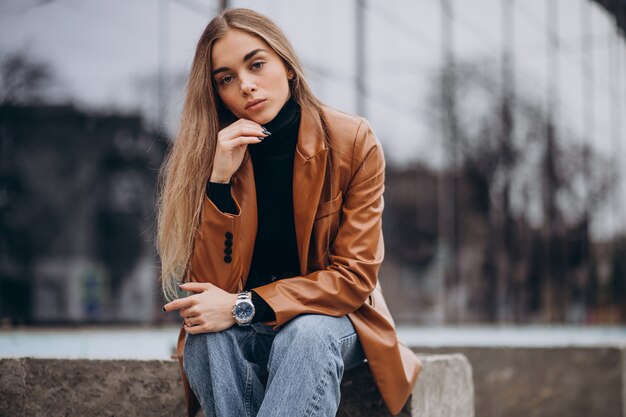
column 23, row 80
column 541, row 184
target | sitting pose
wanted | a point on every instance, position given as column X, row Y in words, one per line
column 270, row 214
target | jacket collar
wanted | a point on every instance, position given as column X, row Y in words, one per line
column 310, row 133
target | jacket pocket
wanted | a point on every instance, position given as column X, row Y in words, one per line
column 326, row 208
column 325, row 228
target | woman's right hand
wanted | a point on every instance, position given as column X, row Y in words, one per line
column 231, row 146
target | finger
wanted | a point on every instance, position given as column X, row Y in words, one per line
column 194, row 329
column 248, row 130
column 242, row 140
column 179, row 303
column 238, row 140
column 187, row 312
column 196, row 286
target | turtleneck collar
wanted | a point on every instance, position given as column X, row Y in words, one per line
column 286, row 117
column 284, row 132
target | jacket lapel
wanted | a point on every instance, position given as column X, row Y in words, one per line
column 308, row 179
column 309, row 168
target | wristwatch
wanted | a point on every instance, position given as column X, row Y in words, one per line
column 243, row 310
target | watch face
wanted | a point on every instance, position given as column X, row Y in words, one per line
column 244, row 311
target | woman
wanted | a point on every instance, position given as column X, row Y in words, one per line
column 270, row 212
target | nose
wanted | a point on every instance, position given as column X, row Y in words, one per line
column 247, row 85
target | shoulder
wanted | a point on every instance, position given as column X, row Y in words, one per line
column 351, row 136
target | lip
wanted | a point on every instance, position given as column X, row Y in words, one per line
column 253, row 103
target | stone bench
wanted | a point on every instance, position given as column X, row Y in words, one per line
column 83, row 387
column 572, row 381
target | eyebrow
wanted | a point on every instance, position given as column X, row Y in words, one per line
column 246, row 57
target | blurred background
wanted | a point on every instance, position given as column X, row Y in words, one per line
column 501, row 120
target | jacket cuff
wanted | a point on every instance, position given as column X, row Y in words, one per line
column 262, row 310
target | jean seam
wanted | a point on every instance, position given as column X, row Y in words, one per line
column 248, row 387
column 248, row 391
column 191, row 381
column 321, row 385
column 343, row 339
column 270, row 357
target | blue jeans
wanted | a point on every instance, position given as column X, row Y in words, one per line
column 257, row 371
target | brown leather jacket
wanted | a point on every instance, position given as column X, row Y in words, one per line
column 344, row 283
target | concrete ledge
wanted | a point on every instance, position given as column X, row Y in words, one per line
column 443, row 389
column 545, row 381
column 80, row 387
column 66, row 387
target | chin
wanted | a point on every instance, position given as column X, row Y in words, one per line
column 264, row 117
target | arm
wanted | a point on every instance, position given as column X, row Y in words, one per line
column 357, row 252
column 219, row 194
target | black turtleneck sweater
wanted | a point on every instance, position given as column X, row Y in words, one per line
column 275, row 251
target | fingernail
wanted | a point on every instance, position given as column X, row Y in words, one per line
column 163, row 308
column 260, row 138
column 266, row 132
column 179, row 282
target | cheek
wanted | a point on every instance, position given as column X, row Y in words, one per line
column 279, row 83
column 228, row 98
column 224, row 96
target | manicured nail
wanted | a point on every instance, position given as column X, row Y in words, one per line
column 266, row 132
column 179, row 282
column 260, row 138
column 163, row 308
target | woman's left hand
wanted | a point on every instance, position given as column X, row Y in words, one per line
column 208, row 311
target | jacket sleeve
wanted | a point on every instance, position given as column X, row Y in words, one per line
column 221, row 196
column 215, row 241
column 356, row 254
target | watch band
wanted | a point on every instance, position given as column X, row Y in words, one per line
column 244, row 297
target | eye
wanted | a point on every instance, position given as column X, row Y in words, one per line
column 257, row 65
column 226, row 80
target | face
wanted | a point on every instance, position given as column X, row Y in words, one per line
column 251, row 79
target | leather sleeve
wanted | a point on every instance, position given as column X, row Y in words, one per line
column 356, row 254
column 210, row 261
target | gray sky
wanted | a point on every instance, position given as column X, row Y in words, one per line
column 101, row 48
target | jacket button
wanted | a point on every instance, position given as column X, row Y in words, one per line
column 228, row 243
column 228, row 235
column 228, row 251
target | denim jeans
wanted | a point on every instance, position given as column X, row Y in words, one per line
column 253, row 370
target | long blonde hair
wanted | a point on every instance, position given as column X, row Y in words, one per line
column 189, row 162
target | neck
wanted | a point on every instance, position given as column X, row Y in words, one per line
column 284, row 131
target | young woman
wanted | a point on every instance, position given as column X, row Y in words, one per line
column 270, row 213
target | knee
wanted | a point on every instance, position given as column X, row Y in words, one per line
column 209, row 340
column 309, row 342
column 202, row 347
column 308, row 332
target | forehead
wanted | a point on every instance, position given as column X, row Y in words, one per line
column 229, row 50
